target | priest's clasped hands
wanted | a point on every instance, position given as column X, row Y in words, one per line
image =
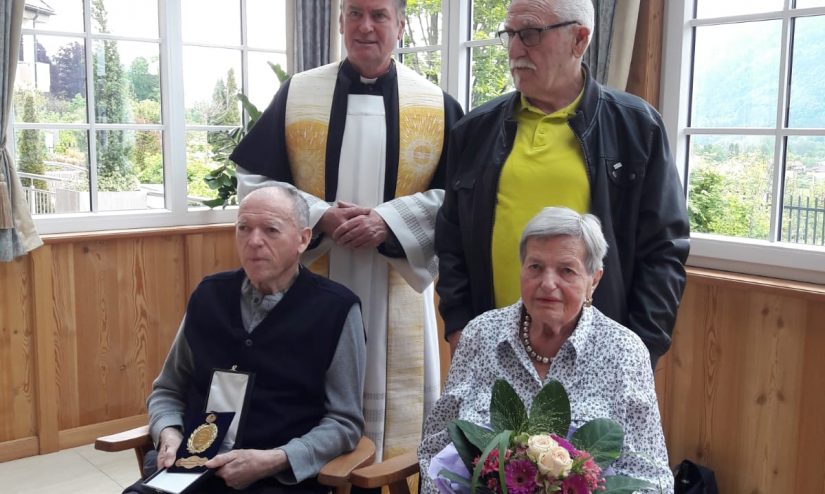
column 353, row 226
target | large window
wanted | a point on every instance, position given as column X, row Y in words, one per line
column 742, row 94
column 121, row 108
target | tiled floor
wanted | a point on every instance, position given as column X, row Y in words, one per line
column 81, row 470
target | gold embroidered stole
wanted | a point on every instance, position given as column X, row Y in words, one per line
column 421, row 139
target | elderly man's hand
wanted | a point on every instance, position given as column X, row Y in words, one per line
column 240, row 468
column 336, row 216
column 364, row 231
column 169, row 442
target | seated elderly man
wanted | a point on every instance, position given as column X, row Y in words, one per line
column 305, row 403
column 554, row 332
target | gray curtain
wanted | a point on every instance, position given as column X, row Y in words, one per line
column 611, row 46
column 17, row 233
column 311, row 34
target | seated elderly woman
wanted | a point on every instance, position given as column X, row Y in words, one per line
column 553, row 332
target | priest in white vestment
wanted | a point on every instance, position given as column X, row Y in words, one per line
column 365, row 141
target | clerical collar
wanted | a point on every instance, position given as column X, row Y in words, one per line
column 364, row 85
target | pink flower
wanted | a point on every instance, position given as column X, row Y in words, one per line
column 520, row 476
column 574, row 484
column 491, row 464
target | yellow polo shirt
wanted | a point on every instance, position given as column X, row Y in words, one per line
column 545, row 168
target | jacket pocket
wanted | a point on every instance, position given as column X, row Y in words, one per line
column 624, row 173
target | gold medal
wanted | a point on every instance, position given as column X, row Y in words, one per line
column 203, row 437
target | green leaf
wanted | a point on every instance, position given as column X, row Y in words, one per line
column 506, row 408
column 466, row 450
column 622, row 484
column 550, row 411
column 499, row 441
column 476, row 434
column 279, row 72
column 602, row 438
column 213, row 203
column 252, row 110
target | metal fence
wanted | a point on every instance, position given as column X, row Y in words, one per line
column 803, row 222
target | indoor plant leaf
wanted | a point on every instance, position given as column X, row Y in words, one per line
column 550, row 411
column 506, row 408
column 602, row 438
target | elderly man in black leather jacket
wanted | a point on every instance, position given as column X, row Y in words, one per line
column 631, row 183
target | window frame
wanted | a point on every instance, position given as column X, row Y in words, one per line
column 766, row 258
column 173, row 128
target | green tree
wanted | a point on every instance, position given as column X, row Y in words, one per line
column 114, row 169
column 30, row 148
column 68, row 72
column 147, row 155
column 423, row 28
column 145, row 85
column 224, row 110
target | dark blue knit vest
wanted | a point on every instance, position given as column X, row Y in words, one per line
column 289, row 352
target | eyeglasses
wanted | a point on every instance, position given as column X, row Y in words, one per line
column 530, row 36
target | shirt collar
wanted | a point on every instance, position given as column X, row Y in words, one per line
column 579, row 339
column 566, row 113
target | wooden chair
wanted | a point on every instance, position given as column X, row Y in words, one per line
column 334, row 474
column 393, row 473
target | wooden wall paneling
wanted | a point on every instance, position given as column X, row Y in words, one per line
column 809, row 474
column 131, row 289
column 45, row 321
column 736, row 389
column 17, row 364
column 689, row 396
column 208, row 253
column 772, row 343
column 646, row 62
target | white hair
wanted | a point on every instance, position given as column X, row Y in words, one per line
column 558, row 221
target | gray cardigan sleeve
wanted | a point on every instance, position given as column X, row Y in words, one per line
column 342, row 426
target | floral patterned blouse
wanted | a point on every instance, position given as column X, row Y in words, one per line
column 604, row 367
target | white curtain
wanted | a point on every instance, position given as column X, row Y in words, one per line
column 611, row 46
column 17, row 233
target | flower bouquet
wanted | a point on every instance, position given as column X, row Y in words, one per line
column 527, row 454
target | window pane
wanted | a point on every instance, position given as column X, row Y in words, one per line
column 52, row 71
column 116, row 171
column 487, row 16
column 146, row 156
column 803, row 211
column 53, row 167
column 426, row 63
column 204, row 153
column 735, row 77
column 263, row 83
column 729, row 189
column 423, row 26
column 807, row 107
column 804, row 4
column 490, row 74
column 259, row 24
column 56, row 15
column 715, row 8
column 210, row 85
column 126, row 73
column 125, row 17
column 211, row 21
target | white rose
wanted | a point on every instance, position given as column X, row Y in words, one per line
column 540, row 444
column 556, row 462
